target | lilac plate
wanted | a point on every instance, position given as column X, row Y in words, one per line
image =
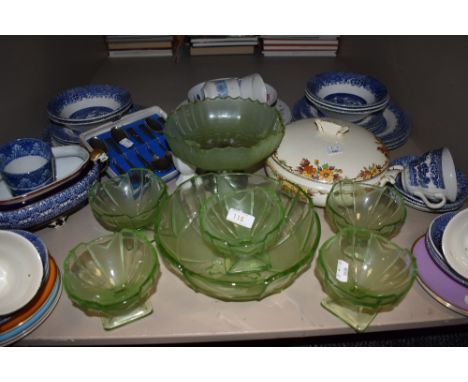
column 437, row 283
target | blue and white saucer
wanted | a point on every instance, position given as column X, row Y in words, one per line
column 418, row 204
column 391, row 127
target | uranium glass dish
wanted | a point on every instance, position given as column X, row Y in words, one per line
column 363, row 272
column 379, row 209
column 224, row 134
column 112, row 277
column 255, row 216
column 130, row 200
column 263, row 261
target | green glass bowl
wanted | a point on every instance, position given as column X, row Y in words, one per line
column 112, row 277
column 224, row 134
column 237, row 275
column 362, row 272
column 130, row 200
column 379, row 209
column 243, row 221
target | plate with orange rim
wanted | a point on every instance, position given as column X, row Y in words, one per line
column 36, row 312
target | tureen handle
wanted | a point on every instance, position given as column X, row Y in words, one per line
column 330, row 128
column 390, row 175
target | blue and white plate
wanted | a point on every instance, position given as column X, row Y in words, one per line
column 391, row 126
column 89, row 103
column 434, row 246
column 66, row 135
column 418, row 204
column 398, row 128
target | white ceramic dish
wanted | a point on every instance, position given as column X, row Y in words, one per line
column 315, row 159
column 455, row 243
column 21, row 272
column 70, row 161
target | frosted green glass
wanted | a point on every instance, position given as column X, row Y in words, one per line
column 362, row 272
column 379, row 209
column 224, row 134
column 112, row 277
column 130, row 200
column 231, row 269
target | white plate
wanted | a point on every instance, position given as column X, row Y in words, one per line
column 21, row 272
column 455, row 243
column 69, row 162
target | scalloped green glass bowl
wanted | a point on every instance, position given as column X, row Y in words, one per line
column 112, row 277
column 224, row 134
column 379, row 209
column 236, row 237
column 130, row 200
column 362, row 272
column 236, row 276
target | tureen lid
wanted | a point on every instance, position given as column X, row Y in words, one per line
column 328, row 150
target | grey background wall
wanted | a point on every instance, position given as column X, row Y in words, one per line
column 426, row 75
column 33, row 69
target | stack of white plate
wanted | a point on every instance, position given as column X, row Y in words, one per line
column 30, row 288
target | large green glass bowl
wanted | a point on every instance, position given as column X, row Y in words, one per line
column 238, row 275
column 363, row 272
column 130, row 200
column 112, row 277
column 224, row 134
column 379, row 209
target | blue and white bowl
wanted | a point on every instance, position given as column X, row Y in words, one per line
column 347, row 91
column 434, row 246
column 88, row 104
column 26, row 164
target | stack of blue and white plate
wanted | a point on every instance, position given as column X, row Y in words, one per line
column 82, row 108
column 356, row 98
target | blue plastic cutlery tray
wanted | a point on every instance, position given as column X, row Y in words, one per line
column 142, row 145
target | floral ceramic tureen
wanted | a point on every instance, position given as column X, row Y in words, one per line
column 317, row 152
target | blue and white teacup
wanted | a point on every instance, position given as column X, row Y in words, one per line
column 222, row 88
column 26, row 164
column 432, row 178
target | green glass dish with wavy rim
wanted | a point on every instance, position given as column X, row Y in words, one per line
column 242, row 235
column 112, row 277
column 130, row 200
column 251, row 276
column 230, row 134
column 379, row 209
column 363, row 272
